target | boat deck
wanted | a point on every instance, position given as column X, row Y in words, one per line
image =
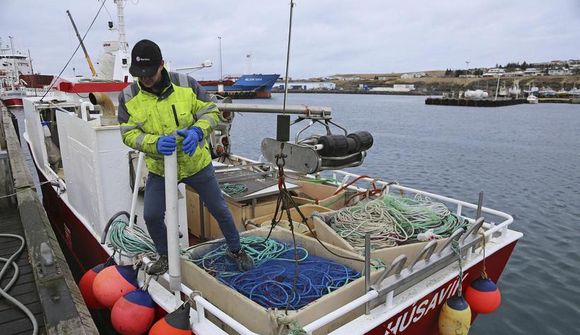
column 13, row 320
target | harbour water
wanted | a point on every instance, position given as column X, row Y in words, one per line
column 526, row 159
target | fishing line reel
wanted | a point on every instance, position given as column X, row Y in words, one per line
column 320, row 152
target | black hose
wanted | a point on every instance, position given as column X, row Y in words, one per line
column 106, row 231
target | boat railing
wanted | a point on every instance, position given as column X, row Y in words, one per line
column 490, row 228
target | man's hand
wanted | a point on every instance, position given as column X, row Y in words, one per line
column 166, row 145
column 192, row 138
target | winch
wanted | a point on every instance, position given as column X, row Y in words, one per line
column 314, row 153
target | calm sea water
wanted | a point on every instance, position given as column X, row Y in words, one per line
column 525, row 158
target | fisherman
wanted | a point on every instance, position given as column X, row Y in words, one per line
column 163, row 112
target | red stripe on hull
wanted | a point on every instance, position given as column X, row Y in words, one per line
column 12, row 102
column 80, row 247
column 421, row 318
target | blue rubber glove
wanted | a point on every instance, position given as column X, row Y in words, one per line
column 166, row 145
column 192, row 138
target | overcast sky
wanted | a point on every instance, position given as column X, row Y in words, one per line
column 328, row 36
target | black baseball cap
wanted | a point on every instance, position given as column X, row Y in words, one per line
column 145, row 59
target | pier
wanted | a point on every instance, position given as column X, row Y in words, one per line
column 45, row 285
column 473, row 102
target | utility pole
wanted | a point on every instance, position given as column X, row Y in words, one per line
column 220, row 43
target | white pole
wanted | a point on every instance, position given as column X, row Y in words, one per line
column 221, row 73
column 172, row 221
column 136, row 187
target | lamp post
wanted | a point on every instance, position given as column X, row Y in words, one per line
column 220, row 44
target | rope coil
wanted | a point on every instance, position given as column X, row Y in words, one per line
column 393, row 220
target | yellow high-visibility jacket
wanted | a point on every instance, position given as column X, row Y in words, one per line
column 144, row 117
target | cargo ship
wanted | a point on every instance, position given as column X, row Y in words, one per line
column 248, row 86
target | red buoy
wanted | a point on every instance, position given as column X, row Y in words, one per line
column 133, row 313
column 86, row 287
column 174, row 323
column 483, row 296
column 113, row 282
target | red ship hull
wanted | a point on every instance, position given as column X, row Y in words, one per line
column 82, row 250
column 421, row 318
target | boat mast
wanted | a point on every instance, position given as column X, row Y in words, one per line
column 14, row 69
column 121, row 24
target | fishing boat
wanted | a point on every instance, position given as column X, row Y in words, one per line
column 17, row 79
column 11, row 65
column 532, row 99
column 90, row 180
column 85, row 171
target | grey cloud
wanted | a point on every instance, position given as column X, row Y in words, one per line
column 329, row 36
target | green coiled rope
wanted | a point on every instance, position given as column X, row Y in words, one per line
column 130, row 241
column 393, row 220
column 232, row 189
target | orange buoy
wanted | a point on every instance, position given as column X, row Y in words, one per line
column 174, row 323
column 86, row 287
column 483, row 295
column 113, row 282
column 133, row 313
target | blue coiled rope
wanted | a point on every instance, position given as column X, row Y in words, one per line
column 277, row 279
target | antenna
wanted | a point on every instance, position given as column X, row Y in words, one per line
column 283, row 121
column 220, row 46
column 121, row 24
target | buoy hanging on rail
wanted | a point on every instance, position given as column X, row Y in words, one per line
column 133, row 313
column 86, row 287
column 113, row 282
column 483, row 295
column 174, row 323
column 455, row 317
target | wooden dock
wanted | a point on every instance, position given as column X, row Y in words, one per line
column 45, row 284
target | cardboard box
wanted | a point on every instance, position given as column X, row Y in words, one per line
column 203, row 225
column 321, row 194
column 267, row 322
column 299, row 227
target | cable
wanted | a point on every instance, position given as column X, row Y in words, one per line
column 4, row 290
column 73, row 54
column 24, row 190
